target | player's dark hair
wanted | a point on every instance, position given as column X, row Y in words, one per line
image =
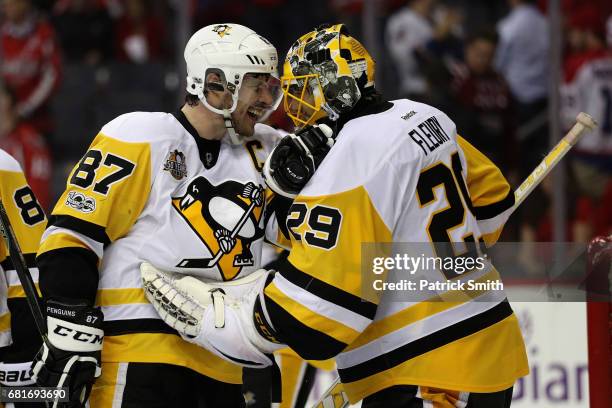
column 192, row 100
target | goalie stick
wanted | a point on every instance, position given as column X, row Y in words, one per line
column 23, row 272
column 334, row 397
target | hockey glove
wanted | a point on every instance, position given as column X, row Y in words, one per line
column 226, row 318
column 71, row 356
column 295, row 159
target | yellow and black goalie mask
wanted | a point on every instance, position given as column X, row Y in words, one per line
column 324, row 74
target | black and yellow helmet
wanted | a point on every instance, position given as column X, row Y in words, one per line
column 324, row 75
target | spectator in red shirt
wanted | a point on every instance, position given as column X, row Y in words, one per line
column 25, row 144
column 483, row 102
column 30, row 61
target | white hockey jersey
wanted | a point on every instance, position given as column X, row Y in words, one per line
column 28, row 222
column 590, row 90
column 19, row 338
column 150, row 189
column 398, row 175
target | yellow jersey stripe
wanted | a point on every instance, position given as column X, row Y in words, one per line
column 432, row 369
column 5, row 322
column 485, row 181
column 17, row 291
column 418, row 312
column 168, row 349
column 112, row 297
column 332, row 328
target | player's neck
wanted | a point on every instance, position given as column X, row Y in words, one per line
column 209, row 125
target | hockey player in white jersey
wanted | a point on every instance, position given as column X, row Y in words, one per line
column 19, row 339
column 398, row 172
column 182, row 191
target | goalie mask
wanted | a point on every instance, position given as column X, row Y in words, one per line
column 324, row 75
column 225, row 57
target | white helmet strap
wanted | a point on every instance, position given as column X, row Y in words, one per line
column 235, row 138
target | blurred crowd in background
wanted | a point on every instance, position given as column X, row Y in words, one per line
column 69, row 66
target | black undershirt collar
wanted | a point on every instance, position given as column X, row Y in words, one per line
column 208, row 149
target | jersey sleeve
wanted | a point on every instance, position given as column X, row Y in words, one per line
column 28, row 222
column 105, row 193
column 491, row 196
column 316, row 297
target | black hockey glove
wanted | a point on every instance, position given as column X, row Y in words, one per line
column 71, row 357
column 295, row 159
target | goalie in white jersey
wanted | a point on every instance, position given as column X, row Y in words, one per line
column 398, row 172
column 183, row 191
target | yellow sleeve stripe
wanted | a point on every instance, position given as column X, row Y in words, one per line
column 124, row 198
column 17, row 291
column 418, row 312
column 61, row 240
column 27, row 235
column 491, row 238
column 360, row 222
column 315, row 321
column 5, row 322
column 486, row 183
column 114, row 297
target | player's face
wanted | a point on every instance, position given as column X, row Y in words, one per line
column 257, row 97
column 298, row 109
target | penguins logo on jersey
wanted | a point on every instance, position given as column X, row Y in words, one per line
column 226, row 218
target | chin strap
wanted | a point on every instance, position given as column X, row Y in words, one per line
column 235, row 138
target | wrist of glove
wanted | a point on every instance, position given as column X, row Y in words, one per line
column 295, row 159
column 71, row 355
column 226, row 318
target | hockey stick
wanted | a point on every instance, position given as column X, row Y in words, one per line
column 334, row 397
column 583, row 123
column 23, row 272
